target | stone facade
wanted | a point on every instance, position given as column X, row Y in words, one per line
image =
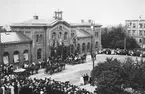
column 47, row 35
column 15, row 51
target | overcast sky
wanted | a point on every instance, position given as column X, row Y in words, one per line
column 105, row 12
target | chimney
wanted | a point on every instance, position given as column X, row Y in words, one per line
column 90, row 21
column 82, row 21
column 35, row 17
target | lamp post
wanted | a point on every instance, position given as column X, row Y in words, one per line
column 92, row 51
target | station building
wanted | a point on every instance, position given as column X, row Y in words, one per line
column 36, row 39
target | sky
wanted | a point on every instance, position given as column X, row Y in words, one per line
column 104, row 12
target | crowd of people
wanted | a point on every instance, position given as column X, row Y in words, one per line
column 11, row 85
column 134, row 52
column 17, row 83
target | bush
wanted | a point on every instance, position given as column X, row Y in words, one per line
column 113, row 76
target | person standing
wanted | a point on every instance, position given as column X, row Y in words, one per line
column 11, row 89
column 15, row 88
column 81, row 80
column 87, row 78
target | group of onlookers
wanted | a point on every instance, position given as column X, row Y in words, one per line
column 11, row 85
column 134, row 52
column 85, row 79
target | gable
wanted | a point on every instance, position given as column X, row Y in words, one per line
column 59, row 22
column 60, row 27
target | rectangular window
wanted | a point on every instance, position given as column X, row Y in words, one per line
column 128, row 25
column 140, row 40
column 129, row 32
column 140, row 33
column 140, row 25
column 134, row 25
column 133, row 32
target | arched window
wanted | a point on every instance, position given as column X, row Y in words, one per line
column 96, row 34
column 60, row 28
column 140, row 40
column 72, row 34
column 53, row 35
column 39, row 53
column 78, row 48
column 41, row 39
column 72, row 48
column 83, row 47
column 65, row 35
column 25, row 54
column 16, row 57
column 96, row 45
column 37, row 38
column 6, row 58
column 88, row 47
column 59, row 36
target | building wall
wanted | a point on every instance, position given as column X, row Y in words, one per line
column 86, row 41
column 134, row 29
column 46, row 41
column 32, row 32
column 11, row 48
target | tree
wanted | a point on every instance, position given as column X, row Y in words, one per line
column 113, row 76
column 114, row 38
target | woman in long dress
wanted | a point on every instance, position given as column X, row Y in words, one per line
column 81, row 80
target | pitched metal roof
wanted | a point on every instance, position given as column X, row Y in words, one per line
column 35, row 22
column 13, row 37
column 82, row 33
column 83, row 24
column 51, row 22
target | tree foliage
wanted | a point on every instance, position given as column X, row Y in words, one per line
column 113, row 76
column 114, row 38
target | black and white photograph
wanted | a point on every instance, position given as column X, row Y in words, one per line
column 72, row 46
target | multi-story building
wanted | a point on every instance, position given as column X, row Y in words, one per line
column 56, row 36
column 136, row 29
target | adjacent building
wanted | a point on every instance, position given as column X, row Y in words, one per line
column 136, row 29
column 15, row 47
column 44, row 38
